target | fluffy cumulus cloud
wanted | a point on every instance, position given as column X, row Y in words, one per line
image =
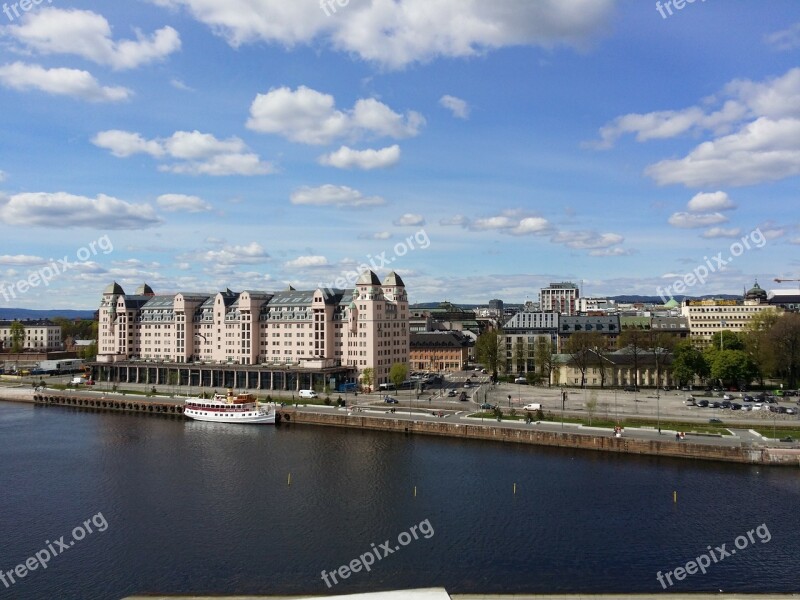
column 88, row 35
column 512, row 222
column 410, row 220
column 587, row 240
column 311, row 117
column 347, row 158
column 685, row 220
column 339, row 196
column 709, row 202
column 252, row 253
column 198, row 153
column 307, row 262
column 380, row 235
column 754, row 131
column 62, row 210
column 21, row 260
column 182, row 203
column 457, row 106
column 396, row 34
column 59, row 82
column 721, row 232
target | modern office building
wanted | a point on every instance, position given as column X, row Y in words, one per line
column 707, row 317
column 522, row 332
column 332, row 332
column 560, row 297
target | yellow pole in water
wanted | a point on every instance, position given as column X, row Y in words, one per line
column 289, row 482
column 515, row 488
column 675, row 497
column 415, row 491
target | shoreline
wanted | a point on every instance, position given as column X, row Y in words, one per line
column 427, row 425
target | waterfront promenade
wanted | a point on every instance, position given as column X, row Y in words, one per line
column 742, row 444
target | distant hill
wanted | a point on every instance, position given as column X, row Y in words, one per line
column 7, row 314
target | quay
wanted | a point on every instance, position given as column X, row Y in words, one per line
column 639, row 442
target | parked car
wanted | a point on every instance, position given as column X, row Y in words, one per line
column 390, row 400
column 487, row 406
column 715, row 421
column 747, row 407
column 787, row 439
column 757, row 406
column 736, row 406
column 520, row 380
column 532, row 406
column 791, row 411
column 727, row 397
column 702, row 403
column 451, row 394
column 714, row 405
column 463, row 396
column 725, row 404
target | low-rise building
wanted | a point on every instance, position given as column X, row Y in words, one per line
column 41, row 335
column 439, row 351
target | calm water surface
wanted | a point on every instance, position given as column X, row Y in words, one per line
column 207, row 508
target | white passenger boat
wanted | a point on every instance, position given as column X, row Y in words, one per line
column 241, row 408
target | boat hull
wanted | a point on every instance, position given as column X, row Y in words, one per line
column 242, row 418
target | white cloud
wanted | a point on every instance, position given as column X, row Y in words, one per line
column 252, row 253
column 531, row 225
column 180, row 85
column 455, row 221
column 762, row 151
column 183, row 203
column 21, row 260
column 755, row 127
column 587, row 240
column 410, row 220
column 610, row 252
column 709, row 202
column 381, row 235
column 457, row 106
column 347, row 158
column 88, row 35
column 721, row 232
column 334, row 195
column 685, row 220
column 396, row 34
column 60, row 82
column 200, row 153
column 786, row 39
column 306, row 262
column 311, row 117
column 62, row 210
column 771, row 231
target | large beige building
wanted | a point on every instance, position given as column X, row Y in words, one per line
column 40, row 334
column 707, row 317
column 364, row 327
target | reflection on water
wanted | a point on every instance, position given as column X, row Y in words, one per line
column 198, row 507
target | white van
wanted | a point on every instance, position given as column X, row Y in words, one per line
column 76, row 380
column 533, row 406
column 308, row 394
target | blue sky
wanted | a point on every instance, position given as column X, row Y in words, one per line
column 481, row 149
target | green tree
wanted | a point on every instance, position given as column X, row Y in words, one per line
column 785, row 338
column 488, row 349
column 520, row 355
column 17, row 337
column 687, row 363
column 88, row 352
column 635, row 342
column 367, row 377
column 591, row 406
column 398, row 374
column 733, row 367
column 759, row 345
column 544, row 358
column 582, row 347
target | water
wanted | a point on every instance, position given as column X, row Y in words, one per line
column 203, row 508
